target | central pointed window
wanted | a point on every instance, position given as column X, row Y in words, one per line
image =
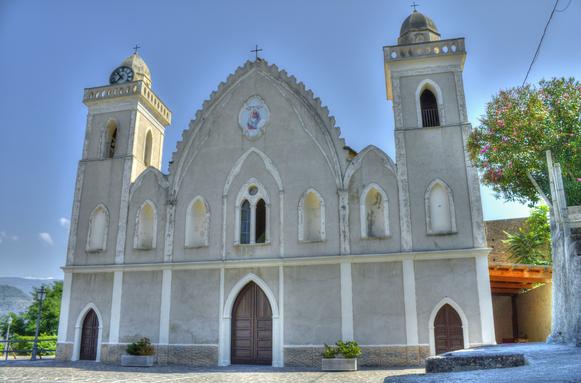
column 252, row 213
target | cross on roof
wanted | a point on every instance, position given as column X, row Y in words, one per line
column 135, row 48
column 255, row 51
column 414, row 5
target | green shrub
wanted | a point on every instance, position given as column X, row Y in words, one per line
column 349, row 349
column 329, row 352
column 141, row 347
column 23, row 345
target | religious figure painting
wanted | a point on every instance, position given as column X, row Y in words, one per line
column 253, row 117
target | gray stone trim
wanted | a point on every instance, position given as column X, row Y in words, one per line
column 75, row 214
column 403, row 186
column 476, row 214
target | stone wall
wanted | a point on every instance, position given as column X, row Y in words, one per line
column 566, row 241
column 380, row 356
column 534, row 313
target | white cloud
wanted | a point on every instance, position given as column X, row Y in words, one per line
column 14, row 237
column 46, row 238
column 4, row 236
column 64, row 222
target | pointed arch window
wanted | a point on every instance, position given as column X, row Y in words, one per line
column 98, row 229
column 374, row 212
column 429, row 108
column 110, row 140
column 147, row 153
column 252, row 215
column 145, row 227
column 440, row 213
column 311, row 217
column 197, row 223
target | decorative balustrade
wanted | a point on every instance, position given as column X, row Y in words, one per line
column 432, row 48
column 129, row 89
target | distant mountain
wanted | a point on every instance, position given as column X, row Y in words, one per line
column 16, row 293
column 26, row 284
column 13, row 299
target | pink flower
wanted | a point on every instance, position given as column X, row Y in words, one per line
column 484, row 149
column 578, row 179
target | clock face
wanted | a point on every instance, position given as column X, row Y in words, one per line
column 121, row 75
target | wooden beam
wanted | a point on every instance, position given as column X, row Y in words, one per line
column 495, row 278
column 510, row 285
column 506, row 291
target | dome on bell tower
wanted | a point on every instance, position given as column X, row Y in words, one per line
column 139, row 67
column 418, row 28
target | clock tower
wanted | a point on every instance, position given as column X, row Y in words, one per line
column 123, row 137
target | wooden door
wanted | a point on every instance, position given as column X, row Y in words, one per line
column 89, row 337
column 251, row 327
column 448, row 333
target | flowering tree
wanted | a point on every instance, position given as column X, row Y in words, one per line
column 519, row 126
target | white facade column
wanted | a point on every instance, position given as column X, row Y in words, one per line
column 344, row 222
column 223, row 329
column 485, row 300
column 409, row 291
column 346, row 302
column 165, row 307
column 280, row 316
column 116, row 307
column 65, row 303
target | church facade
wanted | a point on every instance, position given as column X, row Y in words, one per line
column 269, row 237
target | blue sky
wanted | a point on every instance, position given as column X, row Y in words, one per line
column 51, row 50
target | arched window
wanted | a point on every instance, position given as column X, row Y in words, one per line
column 197, row 223
column 98, row 229
column 429, row 107
column 245, row 222
column 374, row 212
column 260, row 232
column 147, row 151
column 440, row 215
column 145, row 227
column 110, row 140
column 311, row 217
column 252, row 214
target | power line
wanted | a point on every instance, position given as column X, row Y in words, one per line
column 541, row 41
column 567, row 6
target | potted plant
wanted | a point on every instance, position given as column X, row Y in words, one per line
column 139, row 354
column 349, row 352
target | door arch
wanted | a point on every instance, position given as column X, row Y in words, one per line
column 89, row 336
column 448, row 330
column 448, row 327
column 79, row 326
column 251, row 339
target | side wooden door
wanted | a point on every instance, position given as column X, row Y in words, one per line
column 448, row 333
column 89, row 336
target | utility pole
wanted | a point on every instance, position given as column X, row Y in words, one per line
column 40, row 295
column 7, row 339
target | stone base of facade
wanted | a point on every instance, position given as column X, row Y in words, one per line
column 195, row 356
column 371, row 356
column 64, row 351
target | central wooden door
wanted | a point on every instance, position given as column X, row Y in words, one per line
column 448, row 333
column 251, row 327
column 89, row 337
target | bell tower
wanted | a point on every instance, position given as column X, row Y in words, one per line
column 440, row 192
column 124, row 135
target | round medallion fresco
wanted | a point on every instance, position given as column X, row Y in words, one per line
column 253, row 117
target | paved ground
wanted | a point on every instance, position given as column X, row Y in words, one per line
column 51, row 371
column 546, row 363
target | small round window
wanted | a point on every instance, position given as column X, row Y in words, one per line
column 252, row 190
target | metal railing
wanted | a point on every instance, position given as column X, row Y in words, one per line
column 430, row 117
column 9, row 348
